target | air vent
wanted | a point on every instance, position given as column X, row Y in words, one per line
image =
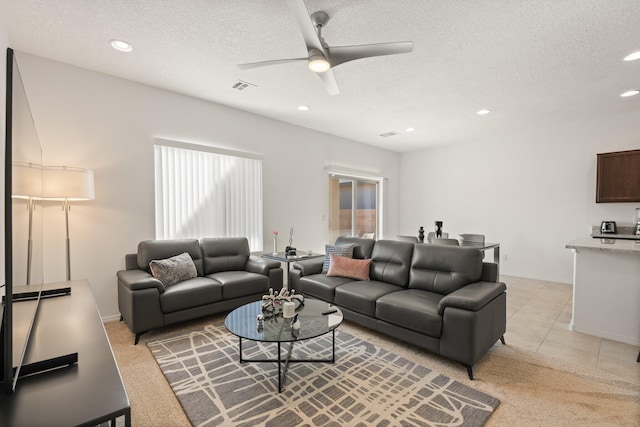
column 388, row 134
column 242, row 85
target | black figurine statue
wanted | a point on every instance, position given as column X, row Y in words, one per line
column 438, row 229
column 421, row 234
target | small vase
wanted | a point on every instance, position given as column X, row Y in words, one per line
column 275, row 245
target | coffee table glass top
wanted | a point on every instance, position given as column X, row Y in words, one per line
column 243, row 322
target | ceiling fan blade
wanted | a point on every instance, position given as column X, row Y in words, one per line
column 251, row 65
column 329, row 81
column 341, row 54
column 309, row 34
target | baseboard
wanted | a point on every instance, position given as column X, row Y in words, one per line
column 111, row 318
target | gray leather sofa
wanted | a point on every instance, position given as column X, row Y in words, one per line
column 227, row 277
column 444, row 299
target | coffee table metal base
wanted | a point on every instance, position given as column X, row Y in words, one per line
column 282, row 370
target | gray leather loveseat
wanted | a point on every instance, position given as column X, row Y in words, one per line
column 441, row 298
column 222, row 277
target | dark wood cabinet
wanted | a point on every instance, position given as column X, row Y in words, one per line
column 618, row 177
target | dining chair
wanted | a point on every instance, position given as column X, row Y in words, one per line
column 472, row 238
column 432, row 235
column 412, row 239
column 448, row 242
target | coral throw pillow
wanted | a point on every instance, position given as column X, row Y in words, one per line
column 347, row 267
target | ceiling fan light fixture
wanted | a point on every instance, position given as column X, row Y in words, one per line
column 317, row 62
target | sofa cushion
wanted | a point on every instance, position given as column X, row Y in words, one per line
column 237, row 284
column 190, row 293
column 149, row 250
column 361, row 296
column 320, row 286
column 357, row 269
column 444, row 269
column 341, row 250
column 390, row 262
column 361, row 247
column 413, row 309
column 173, row 270
column 224, row 254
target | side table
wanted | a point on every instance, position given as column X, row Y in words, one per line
column 288, row 259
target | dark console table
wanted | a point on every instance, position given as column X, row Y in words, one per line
column 87, row 393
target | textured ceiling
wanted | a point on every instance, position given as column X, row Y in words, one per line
column 532, row 63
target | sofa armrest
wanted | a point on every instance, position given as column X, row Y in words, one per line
column 131, row 262
column 308, row 267
column 139, row 279
column 472, row 297
column 258, row 265
column 489, row 272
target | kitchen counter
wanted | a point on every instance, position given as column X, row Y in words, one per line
column 623, row 232
column 606, row 288
column 605, row 245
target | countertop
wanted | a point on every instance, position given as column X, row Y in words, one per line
column 605, row 245
column 623, row 232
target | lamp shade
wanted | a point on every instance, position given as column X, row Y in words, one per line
column 26, row 180
column 65, row 183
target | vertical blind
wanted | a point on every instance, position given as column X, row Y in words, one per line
column 206, row 194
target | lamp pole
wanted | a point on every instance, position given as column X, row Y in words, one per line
column 67, row 207
column 29, row 240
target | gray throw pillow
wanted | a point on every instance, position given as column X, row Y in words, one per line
column 343, row 250
column 173, row 270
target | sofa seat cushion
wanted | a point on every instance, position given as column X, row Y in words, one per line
column 361, row 296
column 237, row 284
column 413, row 309
column 190, row 293
column 321, row 286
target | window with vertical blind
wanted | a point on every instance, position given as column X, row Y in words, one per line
column 207, row 192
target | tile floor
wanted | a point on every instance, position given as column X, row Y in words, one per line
column 538, row 317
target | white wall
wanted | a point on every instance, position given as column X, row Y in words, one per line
column 91, row 120
column 532, row 191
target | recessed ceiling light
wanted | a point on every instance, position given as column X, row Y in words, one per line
column 303, row 108
column 410, row 129
column 483, row 112
column 633, row 56
column 121, row 45
column 630, row 93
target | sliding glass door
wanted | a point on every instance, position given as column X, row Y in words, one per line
column 353, row 207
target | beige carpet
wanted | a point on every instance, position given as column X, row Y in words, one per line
column 534, row 390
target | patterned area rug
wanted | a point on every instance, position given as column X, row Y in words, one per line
column 367, row 386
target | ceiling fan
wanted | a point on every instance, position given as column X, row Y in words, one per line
column 322, row 57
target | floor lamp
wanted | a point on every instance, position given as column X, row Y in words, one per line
column 27, row 184
column 67, row 184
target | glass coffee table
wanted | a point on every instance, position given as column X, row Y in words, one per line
column 316, row 318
